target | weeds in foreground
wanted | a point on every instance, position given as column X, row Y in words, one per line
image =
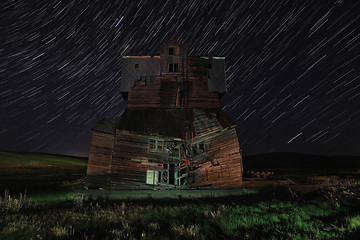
column 354, row 222
column 262, row 220
column 10, row 204
column 294, row 218
column 344, row 191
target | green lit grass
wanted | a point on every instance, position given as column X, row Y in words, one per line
column 52, row 212
column 162, row 219
column 55, row 197
column 354, row 222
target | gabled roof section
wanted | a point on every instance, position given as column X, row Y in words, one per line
column 163, row 122
column 173, row 123
column 106, row 125
column 173, row 42
column 141, row 56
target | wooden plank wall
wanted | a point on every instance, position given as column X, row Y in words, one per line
column 203, row 125
column 131, row 161
column 199, row 95
column 161, row 93
column 165, row 90
column 100, row 157
column 224, row 165
column 122, row 161
column 220, row 166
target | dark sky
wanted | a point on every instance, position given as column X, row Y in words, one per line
column 293, row 68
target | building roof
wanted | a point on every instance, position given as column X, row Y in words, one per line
column 166, row 122
column 106, row 125
column 173, row 123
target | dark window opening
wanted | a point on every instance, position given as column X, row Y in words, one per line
column 171, row 174
column 202, row 147
column 198, row 148
column 173, row 67
column 183, row 179
column 125, row 95
column 164, row 175
column 171, row 51
column 209, row 66
column 136, row 65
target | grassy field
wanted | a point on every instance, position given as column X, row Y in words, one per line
column 38, row 172
column 36, row 165
column 57, row 209
column 271, row 214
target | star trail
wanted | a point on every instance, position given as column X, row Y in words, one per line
column 292, row 68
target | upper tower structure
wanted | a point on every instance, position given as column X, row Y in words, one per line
column 173, row 79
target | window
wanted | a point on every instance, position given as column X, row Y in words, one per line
column 209, row 66
column 171, row 148
column 173, row 67
column 136, row 65
column 198, row 148
column 152, row 177
column 155, row 145
column 174, row 50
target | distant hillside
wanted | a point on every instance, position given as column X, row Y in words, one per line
column 23, row 162
column 297, row 160
column 21, row 168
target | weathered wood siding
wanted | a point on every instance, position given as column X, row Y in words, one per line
column 171, row 90
column 159, row 94
column 207, row 154
column 222, row 166
column 199, row 94
column 100, row 157
column 131, row 161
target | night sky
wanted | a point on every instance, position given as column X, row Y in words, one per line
column 292, row 68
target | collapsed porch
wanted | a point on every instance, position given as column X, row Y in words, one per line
column 186, row 148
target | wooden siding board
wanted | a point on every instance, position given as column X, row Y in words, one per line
column 163, row 91
column 224, row 169
column 100, row 157
column 126, row 170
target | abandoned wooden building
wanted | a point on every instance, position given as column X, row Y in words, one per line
column 173, row 133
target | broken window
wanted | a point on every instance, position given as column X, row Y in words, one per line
column 155, row 145
column 198, row 148
column 202, row 147
column 136, row 65
column 175, row 152
column 171, row 148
